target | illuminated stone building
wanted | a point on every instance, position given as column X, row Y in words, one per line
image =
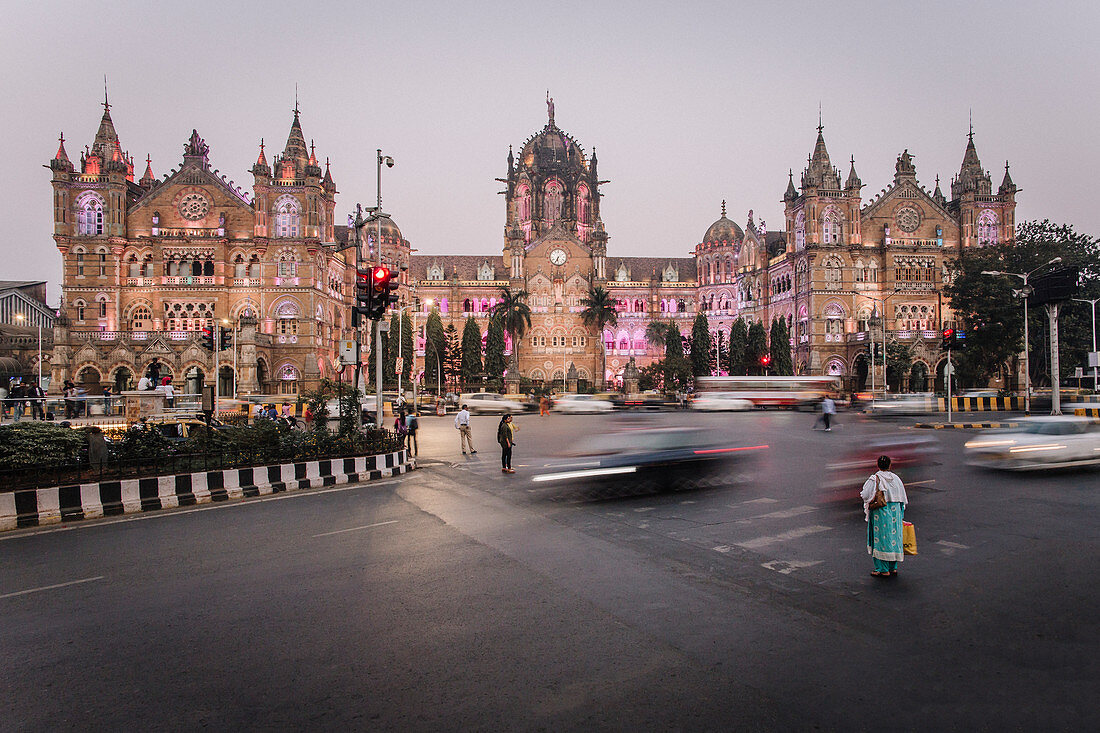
column 149, row 263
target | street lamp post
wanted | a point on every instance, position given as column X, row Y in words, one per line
column 1092, row 302
column 1024, row 292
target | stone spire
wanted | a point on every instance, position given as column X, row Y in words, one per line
column 971, row 179
column 791, row 193
column 296, row 141
column 327, row 182
column 261, row 169
column 853, row 183
column 61, row 160
column 1007, row 186
column 820, row 172
column 937, row 195
column 148, row 179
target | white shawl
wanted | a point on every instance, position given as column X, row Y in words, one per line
column 889, row 482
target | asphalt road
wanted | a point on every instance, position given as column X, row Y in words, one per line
column 460, row 598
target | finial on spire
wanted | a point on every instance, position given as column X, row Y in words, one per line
column 970, row 137
column 106, row 103
column 723, row 208
column 820, row 126
column 295, row 99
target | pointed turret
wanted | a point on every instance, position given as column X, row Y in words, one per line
column 1007, row 186
column 511, row 161
column 148, row 180
column 971, row 179
column 117, row 161
column 261, row 169
column 791, row 193
column 853, row 183
column 105, row 137
column 820, row 172
column 937, row 195
column 61, row 160
column 295, row 151
column 313, row 168
column 327, row 183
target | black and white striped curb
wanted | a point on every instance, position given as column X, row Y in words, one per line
column 35, row 507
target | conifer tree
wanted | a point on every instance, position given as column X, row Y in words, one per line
column 739, row 341
column 471, row 352
column 494, row 350
column 756, row 347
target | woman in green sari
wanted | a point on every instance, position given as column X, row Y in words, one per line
column 884, row 525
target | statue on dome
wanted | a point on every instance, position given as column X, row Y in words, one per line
column 550, row 106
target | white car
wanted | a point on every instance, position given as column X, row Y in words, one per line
column 720, row 402
column 578, row 403
column 481, row 402
column 1039, row 442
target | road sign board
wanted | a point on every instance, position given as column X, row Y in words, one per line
column 399, row 365
column 948, row 369
column 1094, row 358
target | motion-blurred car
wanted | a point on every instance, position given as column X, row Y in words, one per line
column 648, row 460
column 912, row 457
column 581, row 403
column 646, row 401
column 178, row 428
column 1039, row 442
column 720, row 402
column 490, row 402
column 902, row 404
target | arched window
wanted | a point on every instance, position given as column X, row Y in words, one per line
column 80, row 262
column 141, row 319
column 240, row 269
column 288, row 217
column 147, row 265
column 89, row 215
column 288, row 266
column 286, row 319
column 288, row 377
column 553, row 201
column 101, row 300
column 133, row 266
column 832, row 273
column 80, row 306
column 834, row 319
column 523, row 203
column 208, row 267
column 102, row 254
column 582, row 204
column 800, row 231
column 987, row 227
column 830, row 226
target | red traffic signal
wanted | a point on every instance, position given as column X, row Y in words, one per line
column 765, row 360
column 380, row 276
column 948, row 339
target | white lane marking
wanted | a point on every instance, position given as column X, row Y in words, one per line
column 794, row 534
column 786, row 567
column 165, row 513
column 765, row 500
column 353, row 529
column 722, row 548
column 784, row 514
column 643, row 509
column 51, row 587
column 953, row 545
column 920, row 483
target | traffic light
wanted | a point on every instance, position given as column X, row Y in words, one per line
column 765, row 361
column 364, row 295
column 207, row 340
column 382, row 286
column 949, row 339
column 225, row 340
column 960, row 340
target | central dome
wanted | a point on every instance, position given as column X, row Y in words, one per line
column 723, row 231
column 551, row 147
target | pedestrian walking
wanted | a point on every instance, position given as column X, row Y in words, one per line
column 3, row 400
column 153, row 372
column 544, row 405
column 462, row 424
column 38, row 401
column 68, row 391
column 828, row 409
column 15, row 396
column 412, row 424
column 506, row 436
column 884, row 520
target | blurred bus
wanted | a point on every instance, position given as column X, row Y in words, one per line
column 789, row 392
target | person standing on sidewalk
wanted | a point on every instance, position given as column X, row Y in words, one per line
column 828, row 409
column 462, row 424
column 412, row 424
column 506, row 436
column 38, row 401
column 884, row 524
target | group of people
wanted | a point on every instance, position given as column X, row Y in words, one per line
column 407, row 424
column 506, row 437
column 18, row 396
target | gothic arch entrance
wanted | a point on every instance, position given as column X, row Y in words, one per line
column 861, row 370
column 918, row 377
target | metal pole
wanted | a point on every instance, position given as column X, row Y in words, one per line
column 1027, row 356
column 40, row 348
column 216, row 338
column 950, row 369
column 378, row 324
column 236, row 380
column 1092, row 303
column 871, row 333
column 400, row 358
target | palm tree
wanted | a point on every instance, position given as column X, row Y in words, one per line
column 599, row 312
column 656, row 333
column 515, row 317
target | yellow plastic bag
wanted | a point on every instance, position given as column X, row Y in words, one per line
column 909, row 538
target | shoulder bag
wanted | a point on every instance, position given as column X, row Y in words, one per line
column 878, row 501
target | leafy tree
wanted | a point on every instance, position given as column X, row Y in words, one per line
column 515, row 317
column 992, row 316
column 598, row 313
column 435, row 348
column 656, row 333
column 756, row 347
column 899, row 359
column 389, row 372
column 739, row 343
column 494, row 350
column 471, row 352
column 780, row 344
column 452, row 363
column 702, row 358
